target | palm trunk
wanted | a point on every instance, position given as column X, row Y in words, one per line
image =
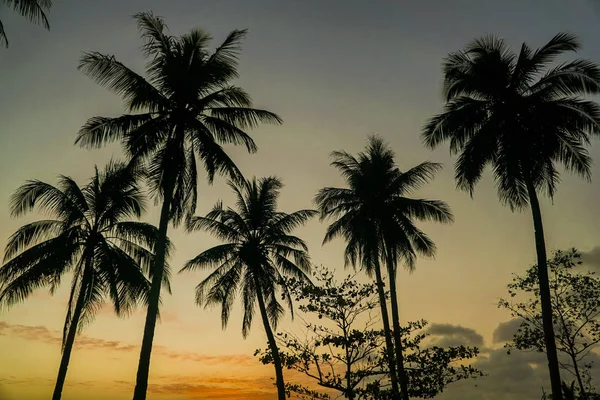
column 388, row 336
column 397, row 335
column 141, row 384
column 272, row 344
column 545, row 296
column 66, row 353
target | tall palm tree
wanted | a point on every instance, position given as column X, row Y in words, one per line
column 179, row 116
column 258, row 251
column 377, row 221
column 33, row 10
column 522, row 116
column 90, row 235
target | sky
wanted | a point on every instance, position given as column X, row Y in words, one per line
column 335, row 71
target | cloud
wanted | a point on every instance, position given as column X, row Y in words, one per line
column 518, row 375
column 506, row 330
column 445, row 335
column 209, row 387
column 83, row 342
column 591, row 258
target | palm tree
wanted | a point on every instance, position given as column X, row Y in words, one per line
column 377, row 222
column 520, row 115
column 33, row 10
column 258, row 252
column 179, row 116
column 91, row 236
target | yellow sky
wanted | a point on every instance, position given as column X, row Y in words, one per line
column 335, row 74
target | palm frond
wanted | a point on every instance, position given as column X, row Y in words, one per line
column 3, row 37
column 39, row 266
column 215, row 159
column 31, row 234
column 137, row 93
column 244, row 117
column 217, row 228
column 423, row 210
column 45, row 196
column 416, row 177
column 34, row 10
column 226, row 132
column 213, row 257
column 225, row 57
column 285, row 223
column 153, row 30
column 98, row 131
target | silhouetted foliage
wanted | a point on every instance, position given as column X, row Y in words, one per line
column 259, row 251
column 180, row 115
column 347, row 354
column 520, row 115
column 570, row 393
column 91, row 237
column 575, row 296
column 33, row 10
column 377, row 221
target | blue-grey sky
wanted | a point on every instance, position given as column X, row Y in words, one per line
column 335, row 71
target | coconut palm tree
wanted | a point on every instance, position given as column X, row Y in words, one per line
column 33, row 10
column 258, row 252
column 178, row 116
column 522, row 116
column 377, row 221
column 91, row 236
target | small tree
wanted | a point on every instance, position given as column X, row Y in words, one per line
column 347, row 354
column 576, row 312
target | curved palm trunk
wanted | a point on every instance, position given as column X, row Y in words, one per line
column 545, row 296
column 397, row 335
column 272, row 344
column 141, row 383
column 386, row 330
column 66, row 353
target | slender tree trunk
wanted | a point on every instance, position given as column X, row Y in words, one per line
column 141, row 384
column 272, row 344
column 397, row 335
column 388, row 336
column 350, row 389
column 348, row 360
column 545, row 296
column 70, row 339
column 583, row 393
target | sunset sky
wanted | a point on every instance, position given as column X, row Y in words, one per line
column 336, row 71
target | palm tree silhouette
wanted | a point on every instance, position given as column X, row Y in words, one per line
column 92, row 237
column 377, row 222
column 181, row 114
column 258, row 251
column 33, row 10
column 522, row 117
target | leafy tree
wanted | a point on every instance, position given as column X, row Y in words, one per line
column 378, row 223
column 179, row 116
column 346, row 353
column 518, row 114
column 575, row 297
column 90, row 235
column 570, row 393
column 33, row 10
column 258, row 252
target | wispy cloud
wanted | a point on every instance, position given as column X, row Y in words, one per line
column 45, row 335
column 445, row 335
column 209, row 387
